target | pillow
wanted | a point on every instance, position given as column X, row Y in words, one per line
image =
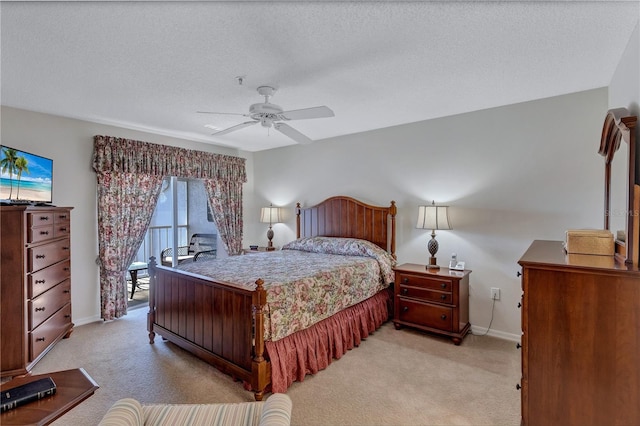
column 346, row 247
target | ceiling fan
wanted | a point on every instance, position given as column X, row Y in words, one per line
column 271, row 115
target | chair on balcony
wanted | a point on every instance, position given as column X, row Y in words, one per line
column 200, row 246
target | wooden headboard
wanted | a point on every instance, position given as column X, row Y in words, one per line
column 346, row 217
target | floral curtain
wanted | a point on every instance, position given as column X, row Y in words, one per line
column 225, row 199
column 129, row 175
column 125, row 205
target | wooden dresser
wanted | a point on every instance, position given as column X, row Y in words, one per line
column 580, row 338
column 35, row 286
column 434, row 301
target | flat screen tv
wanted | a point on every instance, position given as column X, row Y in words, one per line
column 25, row 178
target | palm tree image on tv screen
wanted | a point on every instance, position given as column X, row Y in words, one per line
column 25, row 177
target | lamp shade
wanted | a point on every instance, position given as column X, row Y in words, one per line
column 270, row 215
column 433, row 217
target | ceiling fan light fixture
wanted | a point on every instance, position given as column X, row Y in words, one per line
column 271, row 115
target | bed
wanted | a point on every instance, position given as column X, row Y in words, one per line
column 236, row 323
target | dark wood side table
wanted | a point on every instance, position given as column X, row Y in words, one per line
column 252, row 251
column 72, row 387
column 436, row 301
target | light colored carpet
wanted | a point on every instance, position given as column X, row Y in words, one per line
column 395, row 377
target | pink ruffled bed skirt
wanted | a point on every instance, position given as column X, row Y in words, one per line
column 311, row 350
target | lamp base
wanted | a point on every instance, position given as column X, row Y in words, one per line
column 433, row 266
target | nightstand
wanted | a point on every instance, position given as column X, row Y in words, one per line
column 258, row 250
column 433, row 301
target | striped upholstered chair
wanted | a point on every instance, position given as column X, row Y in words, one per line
column 275, row 411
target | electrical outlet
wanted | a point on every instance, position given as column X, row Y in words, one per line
column 495, row 293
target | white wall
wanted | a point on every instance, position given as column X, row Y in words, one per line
column 624, row 89
column 70, row 144
column 511, row 175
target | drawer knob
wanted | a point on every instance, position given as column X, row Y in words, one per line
column 518, row 386
column 39, row 256
column 40, row 339
column 40, row 309
column 63, row 229
column 518, row 345
column 66, row 291
column 443, row 296
column 405, row 291
column 40, row 281
column 405, row 308
column 65, row 248
column 44, row 217
column 405, row 280
column 66, row 269
column 443, row 316
column 443, row 285
column 62, row 216
column 519, row 305
column 519, row 273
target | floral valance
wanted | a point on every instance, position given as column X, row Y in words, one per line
column 129, row 156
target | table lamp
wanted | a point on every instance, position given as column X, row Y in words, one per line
column 270, row 215
column 433, row 217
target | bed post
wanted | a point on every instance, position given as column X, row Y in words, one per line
column 297, row 220
column 261, row 373
column 151, row 315
column 393, row 210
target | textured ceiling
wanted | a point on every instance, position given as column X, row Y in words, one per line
column 151, row 65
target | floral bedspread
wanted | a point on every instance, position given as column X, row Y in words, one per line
column 309, row 280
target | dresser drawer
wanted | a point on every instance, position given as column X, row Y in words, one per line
column 44, row 279
column 37, row 234
column 435, row 316
column 60, row 217
column 405, row 279
column 48, row 254
column 49, row 331
column 40, row 218
column 426, row 294
column 43, row 306
column 61, row 229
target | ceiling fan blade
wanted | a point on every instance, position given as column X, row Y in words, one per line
column 306, row 113
column 222, row 113
column 287, row 130
column 234, row 128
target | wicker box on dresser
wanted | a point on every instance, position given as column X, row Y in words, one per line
column 35, row 284
column 580, row 338
column 436, row 301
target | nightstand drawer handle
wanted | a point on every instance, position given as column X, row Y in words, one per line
column 443, row 285
column 518, row 387
column 40, row 309
column 40, row 281
column 405, row 280
column 443, row 297
column 405, row 309
column 44, row 232
column 39, row 256
column 518, row 345
column 40, row 339
column 519, row 305
column 443, row 316
column 405, row 291
column 519, row 273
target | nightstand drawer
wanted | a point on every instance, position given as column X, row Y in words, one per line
column 440, row 317
column 425, row 294
column 423, row 282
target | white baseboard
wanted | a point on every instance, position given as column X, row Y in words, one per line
column 83, row 321
column 496, row 333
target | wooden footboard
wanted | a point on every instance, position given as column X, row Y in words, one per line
column 219, row 323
